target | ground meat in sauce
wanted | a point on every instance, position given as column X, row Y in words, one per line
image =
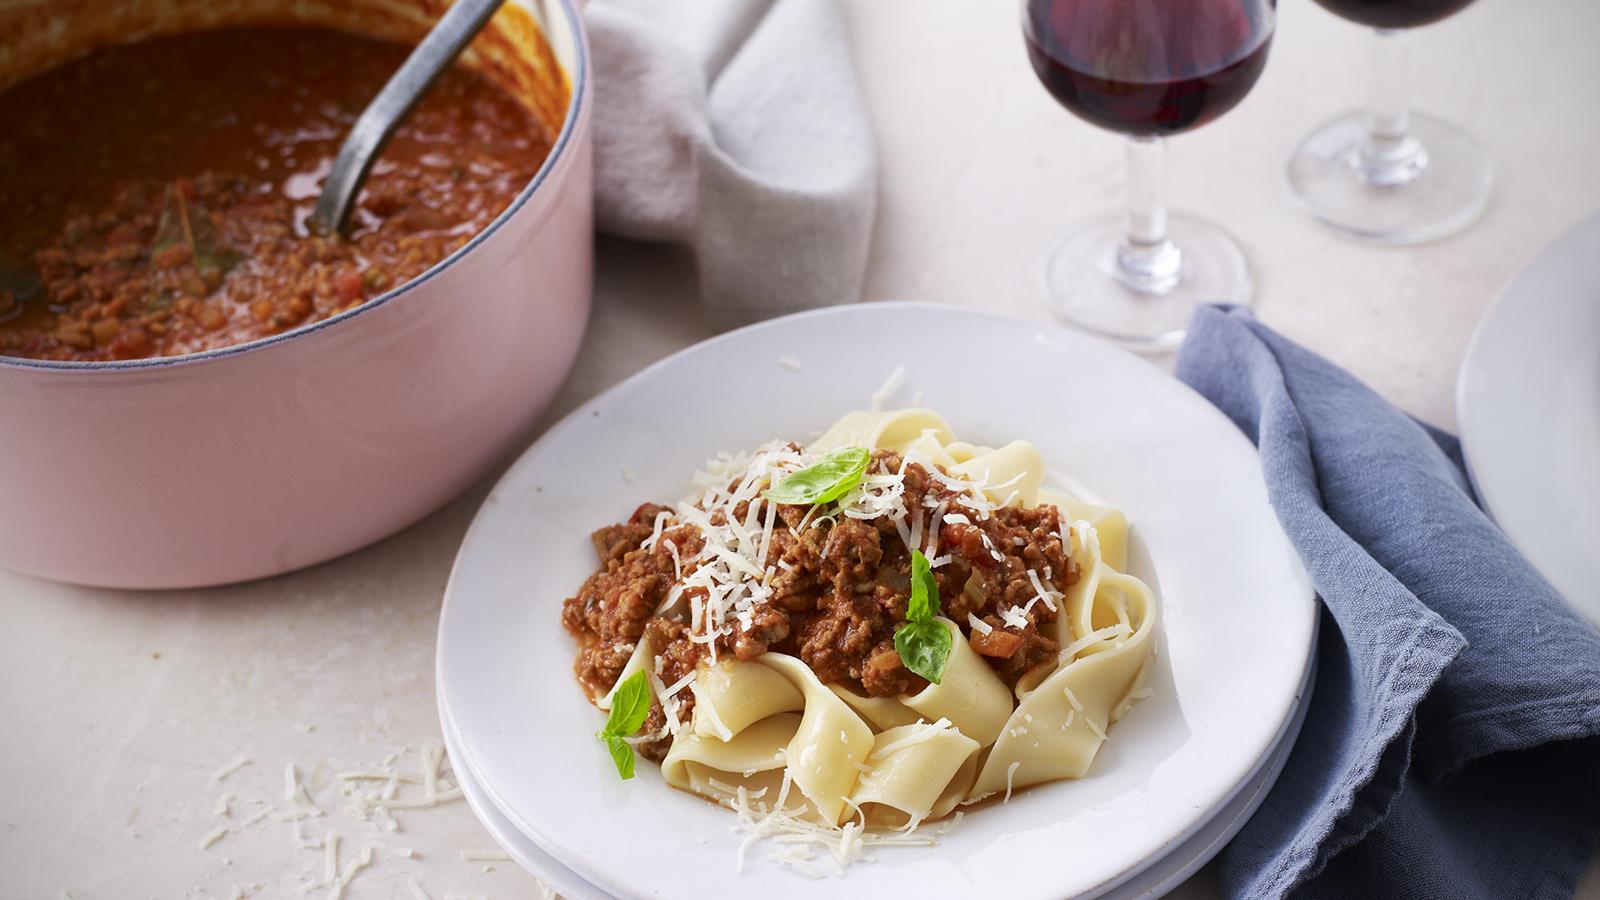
column 837, row 599
column 153, row 196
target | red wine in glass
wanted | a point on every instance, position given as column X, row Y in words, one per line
column 1393, row 13
column 1147, row 67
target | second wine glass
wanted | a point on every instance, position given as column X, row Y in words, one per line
column 1148, row 69
column 1390, row 174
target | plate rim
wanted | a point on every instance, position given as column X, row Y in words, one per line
column 1305, row 596
column 1469, row 421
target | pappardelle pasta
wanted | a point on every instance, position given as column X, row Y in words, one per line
column 868, row 631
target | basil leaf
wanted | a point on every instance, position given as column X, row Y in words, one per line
column 924, row 590
column 630, row 704
column 825, row 480
column 923, row 644
column 924, row 647
column 621, row 754
column 184, row 223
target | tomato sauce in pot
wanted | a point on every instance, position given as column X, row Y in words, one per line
column 153, row 196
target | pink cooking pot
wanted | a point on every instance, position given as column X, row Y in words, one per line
column 265, row 457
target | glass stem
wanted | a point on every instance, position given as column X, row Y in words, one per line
column 1147, row 262
column 1390, row 155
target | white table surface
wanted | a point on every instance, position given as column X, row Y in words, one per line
column 120, row 706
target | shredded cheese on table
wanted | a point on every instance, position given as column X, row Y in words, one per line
column 303, row 793
column 230, row 768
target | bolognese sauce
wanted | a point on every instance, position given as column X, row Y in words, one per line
column 843, row 590
column 153, row 196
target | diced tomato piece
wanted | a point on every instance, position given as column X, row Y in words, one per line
column 347, row 286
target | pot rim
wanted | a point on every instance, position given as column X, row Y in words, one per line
column 557, row 155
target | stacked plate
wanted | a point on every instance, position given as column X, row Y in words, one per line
column 1181, row 771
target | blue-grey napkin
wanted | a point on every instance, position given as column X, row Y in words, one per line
column 1452, row 744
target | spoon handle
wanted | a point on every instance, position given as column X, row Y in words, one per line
column 377, row 123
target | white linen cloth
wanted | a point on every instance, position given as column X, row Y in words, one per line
column 736, row 127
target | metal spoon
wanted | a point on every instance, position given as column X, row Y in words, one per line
column 377, row 123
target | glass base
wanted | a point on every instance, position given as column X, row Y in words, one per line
column 1145, row 308
column 1434, row 183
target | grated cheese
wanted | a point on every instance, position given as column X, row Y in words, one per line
column 919, row 733
column 790, row 363
column 680, row 684
column 989, row 545
column 1011, row 772
column 655, row 535
column 933, row 528
column 979, row 625
column 231, row 768
column 212, row 836
column 255, row 817
column 485, row 856
column 723, row 731
column 422, row 803
column 890, row 386
column 1140, row 691
column 432, row 755
column 349, row 872
column 1072, row 698
column 1110, row 632
column 383, row 773
column 802, row 844
column 1048, row 595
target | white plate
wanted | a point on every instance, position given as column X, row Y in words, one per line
column 1528, row 401
column 1151, row 882
column 1237, row 626
column 541, row 865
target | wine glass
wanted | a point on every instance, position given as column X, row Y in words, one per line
column 1389, row 174
column 1147, row 69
